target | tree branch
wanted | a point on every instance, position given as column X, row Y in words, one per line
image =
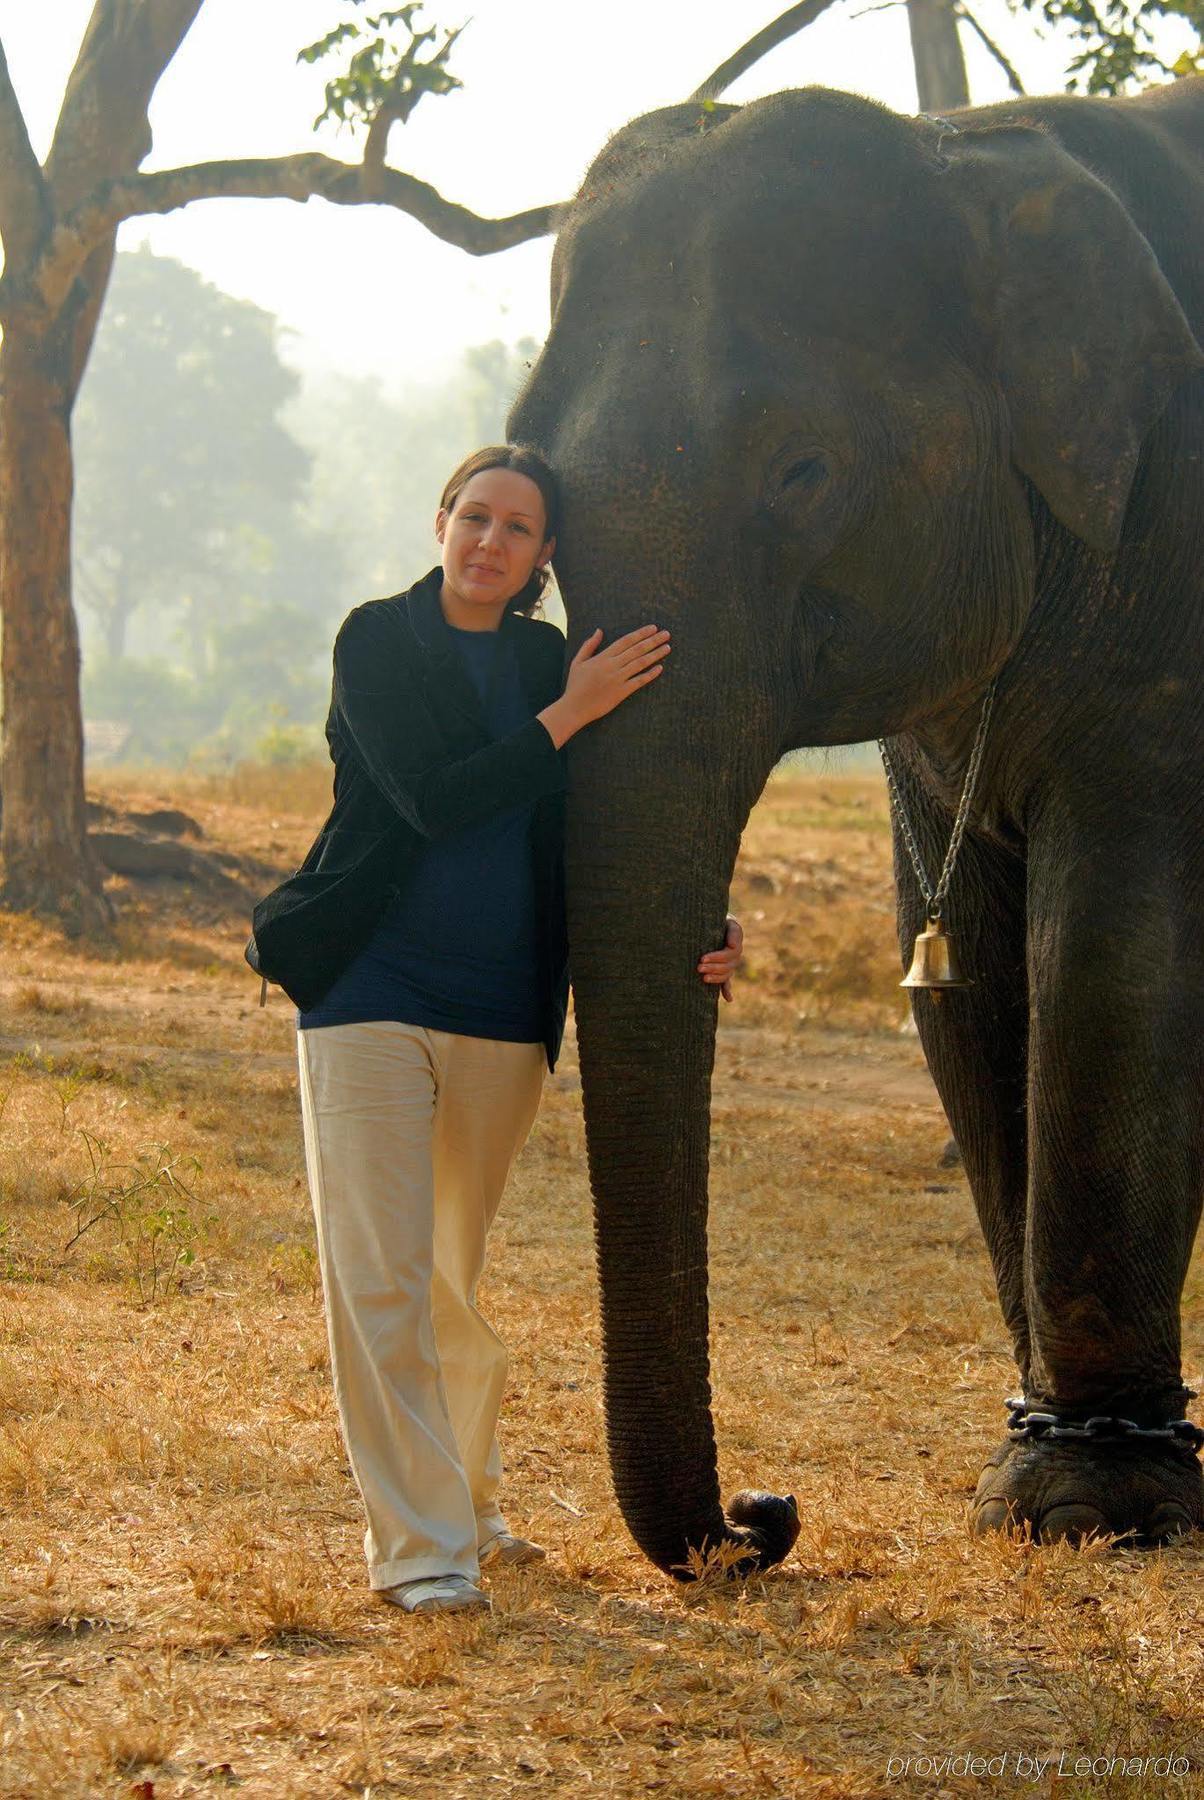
column 24, row 203
column 1014, row 81
column 793, row 20
column 412, row 81
column 376, row 144
column 102, row 128
column 303, row 177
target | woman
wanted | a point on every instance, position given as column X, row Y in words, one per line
column 423, row 941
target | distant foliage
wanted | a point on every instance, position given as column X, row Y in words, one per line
column 1116, row 42
column 204, row 584
column 282, row 744
column 230, row 514
column 380, row 459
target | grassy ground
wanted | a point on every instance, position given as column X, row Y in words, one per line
column 182, row 1598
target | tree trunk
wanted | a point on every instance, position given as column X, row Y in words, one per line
column 936, row 47
column 43, row 842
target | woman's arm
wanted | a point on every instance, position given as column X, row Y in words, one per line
column 390, row 726
column 400, row 746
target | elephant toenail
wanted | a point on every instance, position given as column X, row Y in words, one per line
column 1074, row 1521
column 992, row 1515
column 1167, row 1521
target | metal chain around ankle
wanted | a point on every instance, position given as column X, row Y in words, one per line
column 934, row 897
column 1029, row 1422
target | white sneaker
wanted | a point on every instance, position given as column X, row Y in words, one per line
column 437, row 1593
column 504, row 1547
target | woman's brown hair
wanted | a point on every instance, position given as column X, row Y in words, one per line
column 524, row 461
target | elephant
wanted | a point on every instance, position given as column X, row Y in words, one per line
column 878, row 415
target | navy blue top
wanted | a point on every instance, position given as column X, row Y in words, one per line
column 458, row 949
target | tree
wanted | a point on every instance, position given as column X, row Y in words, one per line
column 180, row 450
column 243, row 691
column 1116, row 39
column 193, row 523
column 58, row 225
column 936, row 49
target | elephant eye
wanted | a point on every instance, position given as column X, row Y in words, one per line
column 795, row 476
column 803, row 472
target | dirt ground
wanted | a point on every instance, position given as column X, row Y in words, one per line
column 183, row 1607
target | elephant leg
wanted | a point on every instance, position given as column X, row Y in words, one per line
column 975, row 1039
column 1116, row 1151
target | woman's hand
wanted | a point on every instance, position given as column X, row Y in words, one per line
column 601, row 679
column 718, row 966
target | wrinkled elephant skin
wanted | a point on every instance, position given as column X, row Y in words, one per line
column 871, row 411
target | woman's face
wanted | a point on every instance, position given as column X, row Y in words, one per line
column 493, row 538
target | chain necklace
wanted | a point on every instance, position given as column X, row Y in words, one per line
column 934, row 897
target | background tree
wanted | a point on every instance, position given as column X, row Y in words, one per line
column 1116, row 42
column 936, row 49
column 192, row 523
column 1117, row 48
column 58, row 225
column 183, row 464
column 380, row 459
column 229, row 511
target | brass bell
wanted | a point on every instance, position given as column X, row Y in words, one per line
column 934, row 963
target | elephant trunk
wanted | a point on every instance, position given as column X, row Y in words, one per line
column 649, row 865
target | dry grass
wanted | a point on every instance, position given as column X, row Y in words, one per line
column 182, row 1600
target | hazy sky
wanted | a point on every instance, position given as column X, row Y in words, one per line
column 545, row 83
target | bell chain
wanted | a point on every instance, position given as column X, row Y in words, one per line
column 934, row 898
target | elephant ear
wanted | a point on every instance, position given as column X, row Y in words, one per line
column 1090, row 339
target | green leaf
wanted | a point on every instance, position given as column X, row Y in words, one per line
column 1115, row 49
column 388, row 67
column 332, row 40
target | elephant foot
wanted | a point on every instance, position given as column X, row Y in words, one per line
column 1140, row 1490
column 765, row 1524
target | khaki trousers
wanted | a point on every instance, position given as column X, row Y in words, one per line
column 409, row 1138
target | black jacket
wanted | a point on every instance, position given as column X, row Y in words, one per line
column 413, row 761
